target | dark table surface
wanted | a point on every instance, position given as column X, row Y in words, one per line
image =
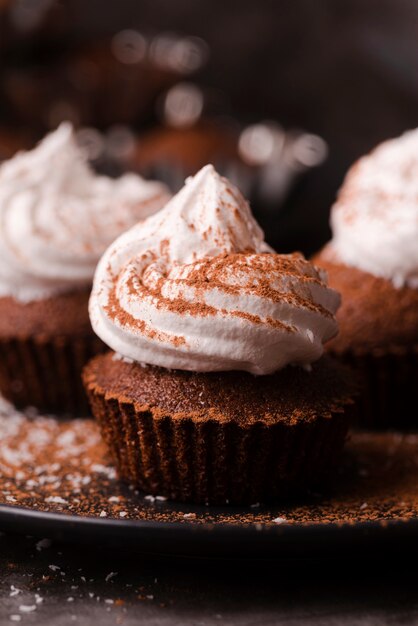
column 61, row 584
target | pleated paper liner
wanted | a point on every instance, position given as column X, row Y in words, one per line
column 214, row 461
column 45, row 373
column 389, row 388
column 62, row 466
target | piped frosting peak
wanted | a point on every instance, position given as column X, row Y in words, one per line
column 196, row 287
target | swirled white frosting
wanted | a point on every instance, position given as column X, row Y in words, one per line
column 196, row 287
column 375, row 218
column 57, row 217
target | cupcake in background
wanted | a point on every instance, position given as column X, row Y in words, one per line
column 192, row 132
column 197, row 400
column 372, row 259
column 56, row 219
column 175, row 153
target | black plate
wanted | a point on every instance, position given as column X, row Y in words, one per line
column 216, row 540
column 76, row 485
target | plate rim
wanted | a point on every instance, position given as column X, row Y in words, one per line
column 211, row 540
column 255, row 527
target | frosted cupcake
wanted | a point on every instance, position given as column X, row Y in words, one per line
column 56, row 219
column 372, row 260
column 196, row 400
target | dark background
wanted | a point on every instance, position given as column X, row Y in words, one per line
column 363, row 591
column 344, row 69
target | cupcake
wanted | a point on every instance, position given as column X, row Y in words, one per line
column 197, row 400
column 372, row 259
column 57, row 219
column 172, row 153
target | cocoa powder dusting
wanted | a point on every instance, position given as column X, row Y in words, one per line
column 116, row 312
column 218, row 274
column 287, row 396
column 57, row 466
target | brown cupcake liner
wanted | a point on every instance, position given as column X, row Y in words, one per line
column 211, row 461
column 45, row 373
column 389, row 388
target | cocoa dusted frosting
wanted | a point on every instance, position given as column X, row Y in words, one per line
column 375, row 219
column 57, row 217
column 195, row 287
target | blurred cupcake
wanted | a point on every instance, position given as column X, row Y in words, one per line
column 194, row 131
column 173, row 153
column 197, row 402
column 104, row 81
column 57, row 218
column 372, row 260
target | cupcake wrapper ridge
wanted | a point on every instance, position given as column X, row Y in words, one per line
column 389, row 388
column 215, row 462
column 46, row 372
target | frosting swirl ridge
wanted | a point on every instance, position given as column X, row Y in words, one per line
column 196, row 287
column 375, row 218
column 57, row 217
